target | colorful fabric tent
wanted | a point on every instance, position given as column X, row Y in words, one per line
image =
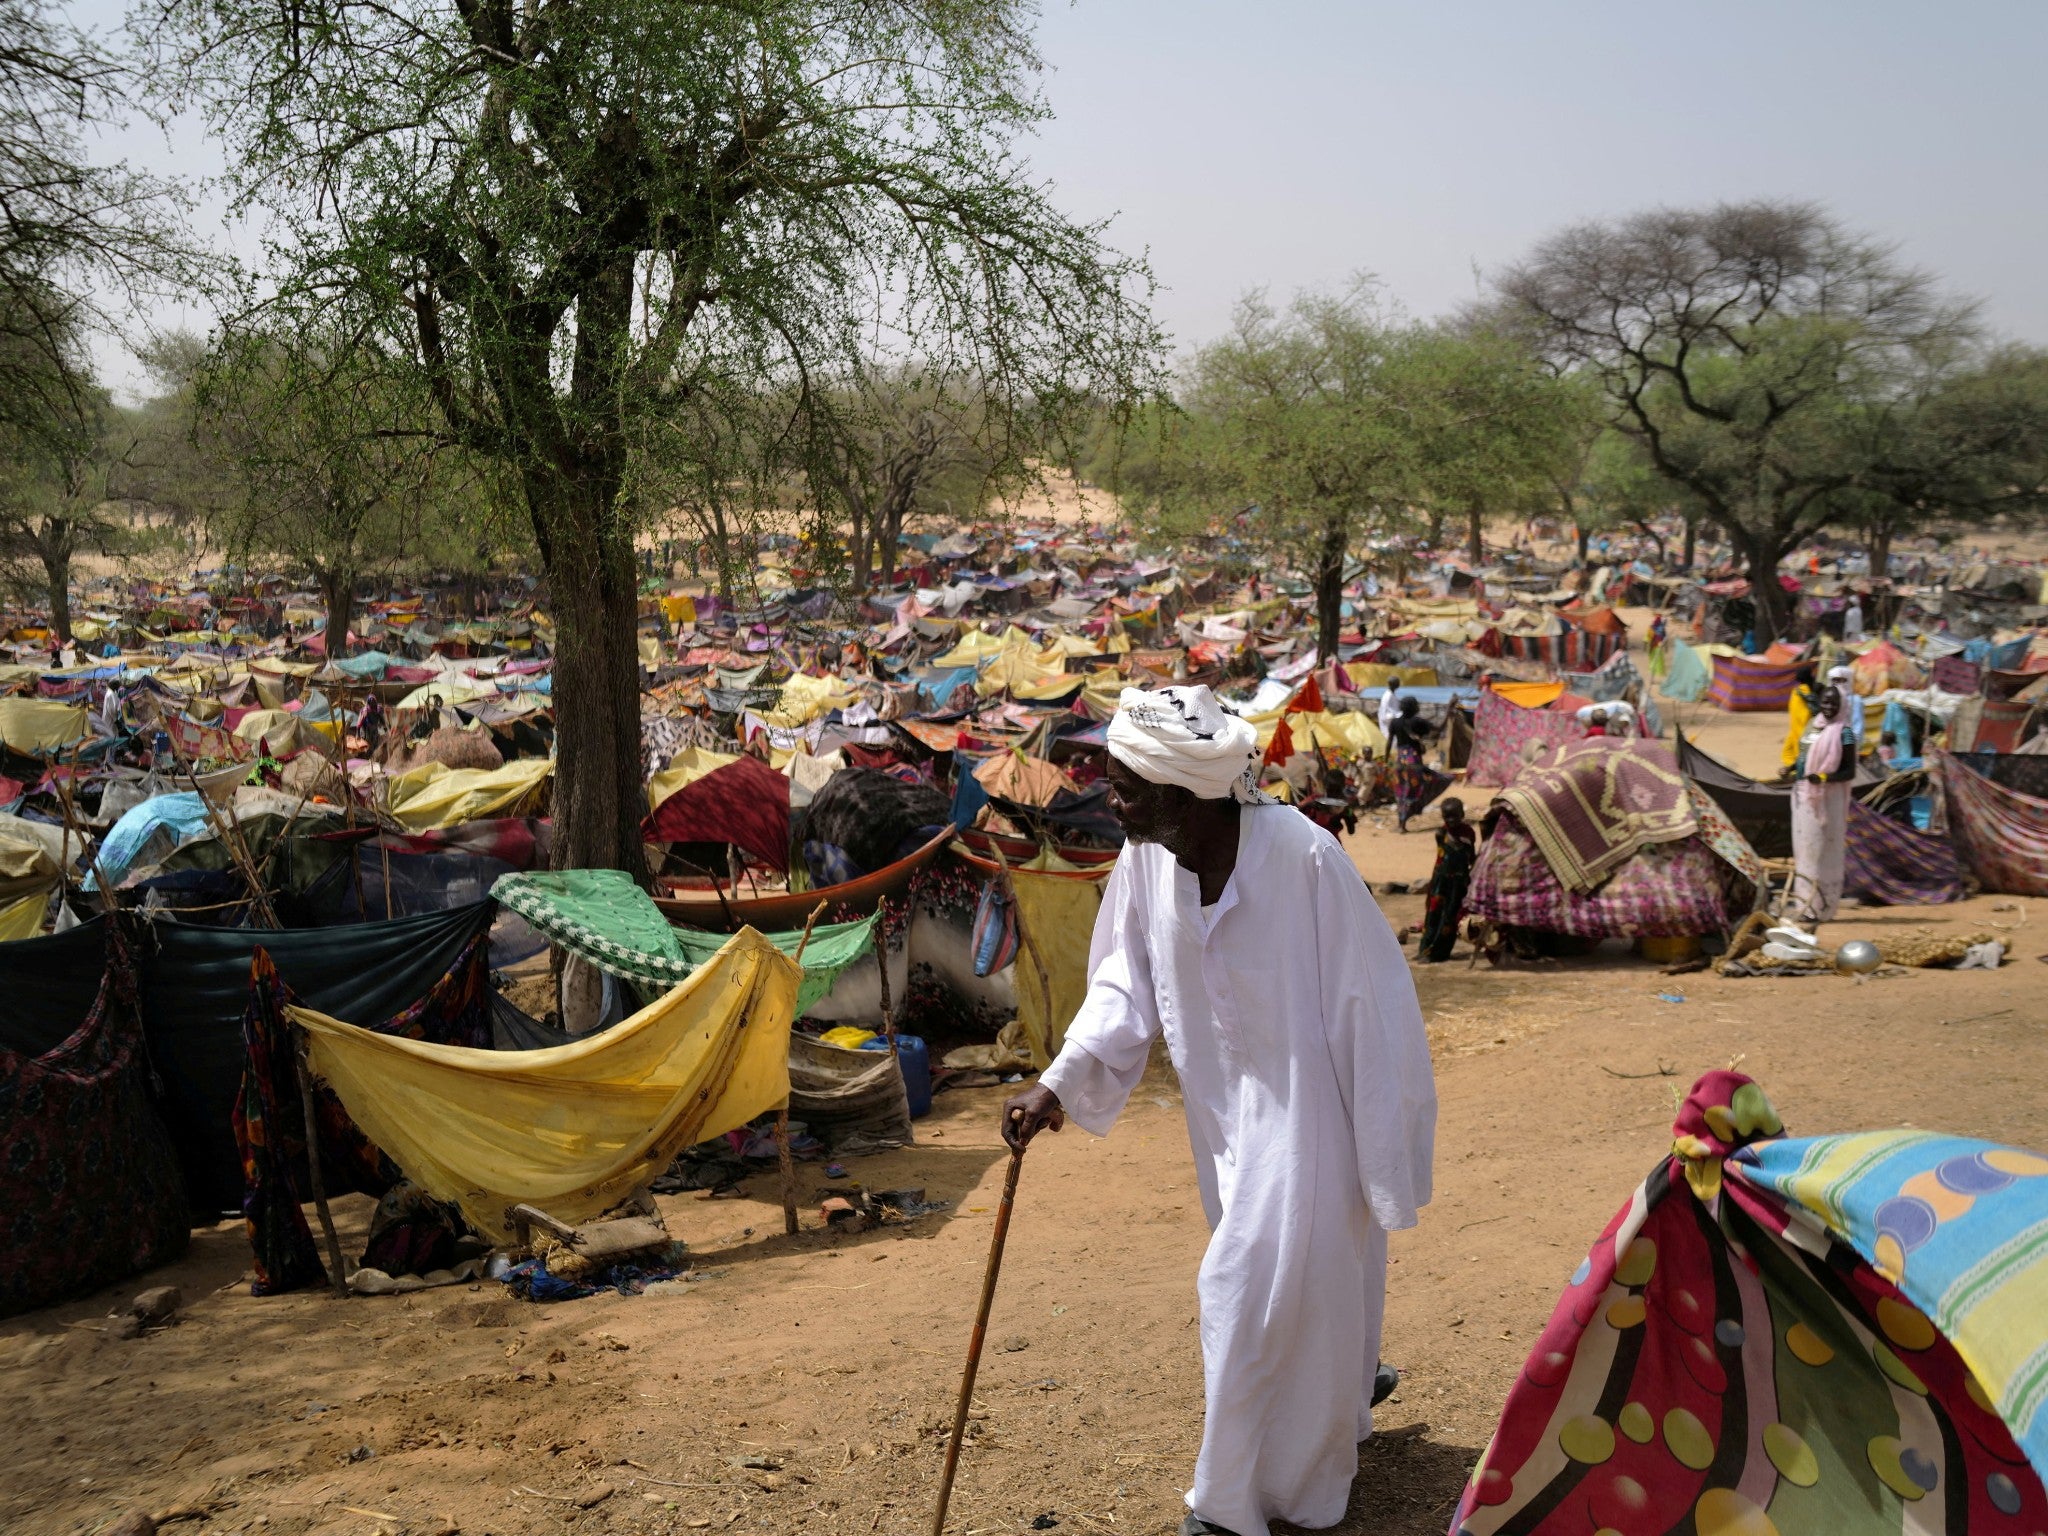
column 1891, row 864
column 195, row 989
column 684, row 769
column 576, row 1128
column 1056, row 908
column 1502, row 733
column 37, row 727
column 603, row 916
column 832, row 948
column 1741, row 685
column 2000, row 835
column 1695, row 885
column 1686, row 677
column 1600, row 803
column 93, row 1191
column 1836, row 1336
column 743, row 802
column 435, row 795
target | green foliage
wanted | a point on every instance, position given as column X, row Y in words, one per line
column 1312, row 431
column 1780, row 372
column 581, row 224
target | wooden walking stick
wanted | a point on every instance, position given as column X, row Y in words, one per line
column 974, row 1343
column 337, row 1269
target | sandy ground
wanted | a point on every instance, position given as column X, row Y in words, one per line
column 802, row 1384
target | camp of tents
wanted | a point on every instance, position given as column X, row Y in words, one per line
column 259, row 901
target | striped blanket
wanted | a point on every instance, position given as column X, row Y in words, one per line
column 2000, row 835
column 1842, row 1336
column 1741, row 685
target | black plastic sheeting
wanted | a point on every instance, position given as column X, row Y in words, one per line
column 1762, row 812
column 195, row 984
column 48, row 985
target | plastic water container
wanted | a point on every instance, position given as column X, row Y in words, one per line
column 915, row 1063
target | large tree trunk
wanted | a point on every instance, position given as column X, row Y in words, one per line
column 1880, row 551
column 1585, row 538
column 1335, row 544
column 338, row 592
column 889, row 532
column 1761, row 554
column 1436, row 527
column 57, row 573
column 1692, row 533
column 593, row 588
column 1475, row 535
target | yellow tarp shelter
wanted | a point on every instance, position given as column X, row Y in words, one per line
column 1057, row 910
column 435, row 795
column 40, row 725
column 573, row 1129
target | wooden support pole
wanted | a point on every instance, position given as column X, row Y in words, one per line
column 783, row 1161
column 786, row 1165
column 336, row 1271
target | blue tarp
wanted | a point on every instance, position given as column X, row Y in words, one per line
column 369, row 664
column 181, row 817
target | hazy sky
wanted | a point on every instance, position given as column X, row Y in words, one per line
column 1291, row 143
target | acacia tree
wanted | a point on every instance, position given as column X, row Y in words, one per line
column 1498, row 429
column 1332, row 423
column 68, row 226
column 575, row 218
column 58, row 488
column 1966, row 438
column 894, row 446
column 1741, row 346
column 333, row 459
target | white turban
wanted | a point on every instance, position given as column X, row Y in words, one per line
column 1840, row 675
column 1182, row 736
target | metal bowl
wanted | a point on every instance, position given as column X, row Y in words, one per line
column 1858, row 957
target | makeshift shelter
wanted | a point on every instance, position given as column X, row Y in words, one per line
column 743, row 802
column 1741, row 685
column 1056, row 909
column 195, row 990
column 2000, row 834
column 1833, row 1336
column 1889, row 863
column 1567, row 857
column 1503, row 730
column 434, row 795
column 576, row 1128
column 93, row 1190
column 1686, row 676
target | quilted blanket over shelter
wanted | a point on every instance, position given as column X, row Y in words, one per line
column 1598, row 803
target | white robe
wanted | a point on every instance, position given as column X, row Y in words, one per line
column 1292, row 1020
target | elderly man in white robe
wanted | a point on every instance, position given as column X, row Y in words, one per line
column 1241, row 931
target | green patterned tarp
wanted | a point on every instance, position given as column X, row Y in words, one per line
column 604, row 917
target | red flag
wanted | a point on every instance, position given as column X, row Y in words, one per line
column 1310, row 697
column 1281, row 747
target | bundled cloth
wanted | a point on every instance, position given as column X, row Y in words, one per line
column 576, row 1128
column 1835, row 1336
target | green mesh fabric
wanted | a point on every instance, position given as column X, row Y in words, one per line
column 604, row 917
column 833, row 947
